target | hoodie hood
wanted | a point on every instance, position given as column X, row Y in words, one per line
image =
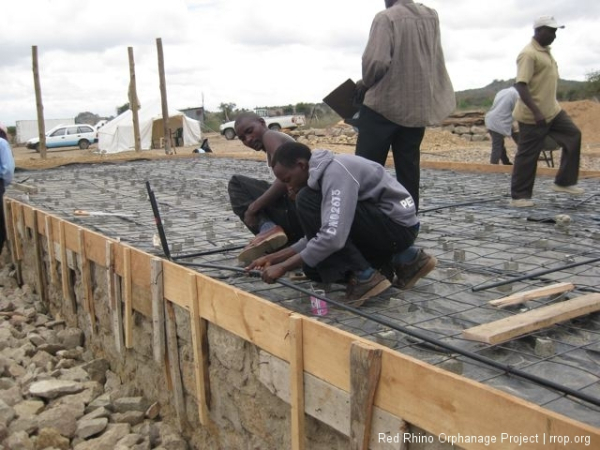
column 319, row 161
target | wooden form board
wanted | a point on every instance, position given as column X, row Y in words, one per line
column 522, row 297
column 428, row 397
column 511, row 327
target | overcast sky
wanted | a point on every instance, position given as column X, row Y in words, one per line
column 251, row 53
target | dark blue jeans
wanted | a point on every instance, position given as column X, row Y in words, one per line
column 376, row 135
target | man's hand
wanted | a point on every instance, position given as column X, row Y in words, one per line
column 270, row 273
column 540, row 121
column 359, row 93
column 251, row 217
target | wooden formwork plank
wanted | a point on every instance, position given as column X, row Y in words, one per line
column 51, row 250
column 86, row 280
column 173, row 364
column 64, row 269
column 522, row 297
column 365, row 369
column 39, row 266
column 200, row 349
column 127, row 288
column 297, row 382
column 158, row 310
column 114, row 295
column 514, row 326
column 254, row 319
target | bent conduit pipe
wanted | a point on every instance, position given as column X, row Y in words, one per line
column 415, row 333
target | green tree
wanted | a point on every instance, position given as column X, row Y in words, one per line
column 593, row 83
column 121, row 109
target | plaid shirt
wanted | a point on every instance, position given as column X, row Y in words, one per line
column 403, row 67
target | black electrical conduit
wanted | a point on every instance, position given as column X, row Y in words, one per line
column 414, row 333
column 539, row 273
column 417, row 334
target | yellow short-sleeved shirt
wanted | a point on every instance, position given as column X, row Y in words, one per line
column 538, row 69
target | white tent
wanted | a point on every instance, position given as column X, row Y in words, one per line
column 117, row 135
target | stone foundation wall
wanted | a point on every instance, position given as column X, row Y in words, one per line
column 244, row 413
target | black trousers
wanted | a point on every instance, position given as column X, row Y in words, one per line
column 531, row 142
column 245, row 190
column 376, row 135
column 373, row 240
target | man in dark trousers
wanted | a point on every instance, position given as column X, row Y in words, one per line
column 407, row 88
column 353, row 213
column 265, row 208
column 539, row 115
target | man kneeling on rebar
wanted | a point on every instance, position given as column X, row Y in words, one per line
column 354, row 216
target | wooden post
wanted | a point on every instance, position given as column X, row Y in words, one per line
column 163, row 97
column 365, row 368
column 173, row 363
column 86, row 280
column 200, row 347
column 64, row 271
column 297, row 381
column 39, row 266
column 38, row 103
column 51, row 250
column 17, row 230
column 114, row 295
column 134, row 103
column 127, row 288
column 12, row 238
column 158, row 309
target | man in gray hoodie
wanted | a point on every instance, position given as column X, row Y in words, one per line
column 353, row 213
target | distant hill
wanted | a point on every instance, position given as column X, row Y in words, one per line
column 568, row 90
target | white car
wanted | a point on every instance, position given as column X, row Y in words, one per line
column 275, row 123
column 79, row 135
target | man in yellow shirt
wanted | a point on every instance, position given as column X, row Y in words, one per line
column 539, row 115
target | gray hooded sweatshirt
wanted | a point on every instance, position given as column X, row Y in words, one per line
column 343, row 181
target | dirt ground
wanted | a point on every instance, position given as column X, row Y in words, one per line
column 437, row 145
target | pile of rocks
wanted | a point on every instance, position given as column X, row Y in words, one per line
column 339, row 134
column 469, row 125
column 56, row 395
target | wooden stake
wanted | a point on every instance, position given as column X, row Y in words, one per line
column 163, row 97
column 134, row 103
column 522, row 297
column 173, row 358
column 51, row 251
column 17, row 230
column 39, row 266
column 200, row 347
column 114, row 295
column 365, row 368
column 297, row 381
column 510, row 327
column 86, row 280
column 38, row 103
column 158, row 310
column 64, row 270
column 12, row 238
column 127, row 288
